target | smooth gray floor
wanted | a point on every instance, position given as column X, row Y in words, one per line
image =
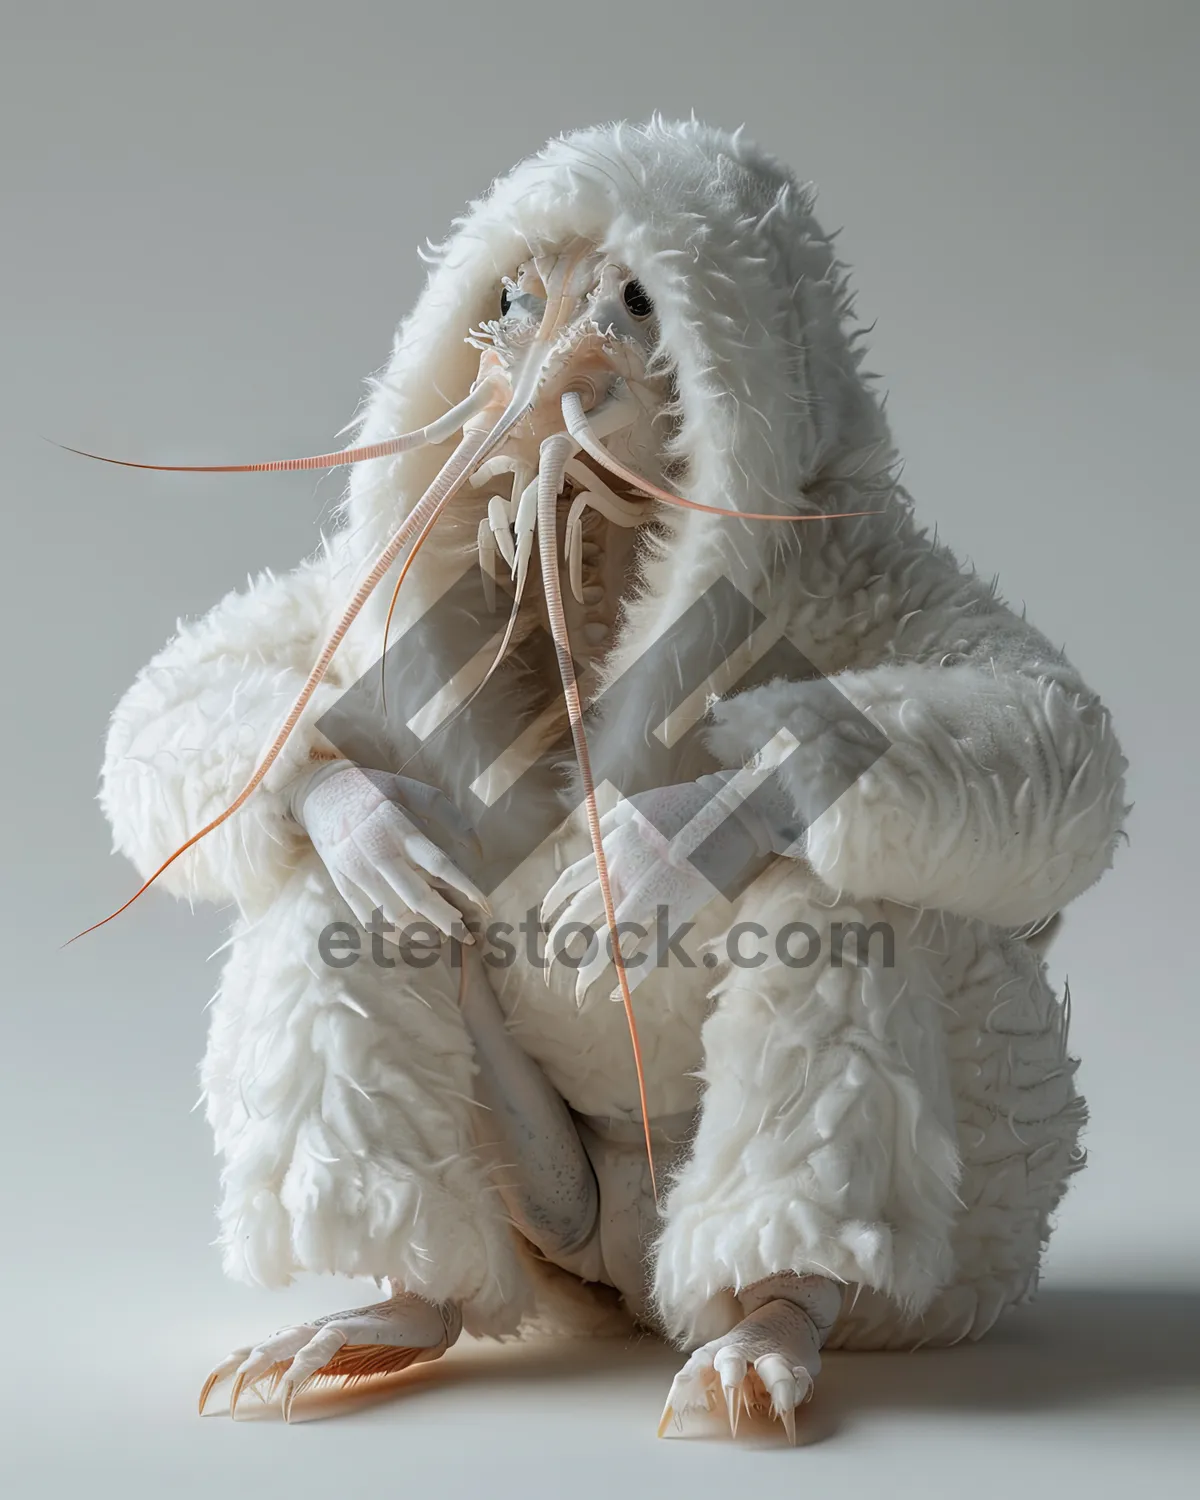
column 1093, row 1393
column 210, row 221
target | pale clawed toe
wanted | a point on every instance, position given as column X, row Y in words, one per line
column 344, row 1348
column 766, row 1365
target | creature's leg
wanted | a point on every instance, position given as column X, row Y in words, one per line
column 826, row 1144
column 541, row 1168
column 1019, row 1119
column 770, row 1360
column 342, row 1100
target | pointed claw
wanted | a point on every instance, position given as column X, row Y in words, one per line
column 486, row 544
column 256, row 1365
column 585, row 977
column 774, row 1373
column 575, row 564
column 573, row 545
column 308, row 1363
column 523, row 529
column 733, row 1404
column 498, row 524
column 562, row 952
column 730, row 1365
column 504, row 544
column 222, row 1372
column 520, row 567
column 548, row 959
column 288, row 1392
column 665, row 1419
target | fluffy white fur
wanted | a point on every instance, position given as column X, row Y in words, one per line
column 908, row 1129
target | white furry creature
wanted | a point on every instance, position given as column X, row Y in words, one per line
column 667, row 646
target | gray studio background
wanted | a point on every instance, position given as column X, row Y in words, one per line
column 210, row 217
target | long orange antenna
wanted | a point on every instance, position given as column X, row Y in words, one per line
column 440, row 431
column 387, row 627
column 581, row 430
column 549, row 482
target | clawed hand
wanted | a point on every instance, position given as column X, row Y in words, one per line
column 375, row 832
column 674, row 847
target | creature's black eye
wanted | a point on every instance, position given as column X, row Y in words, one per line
column 636, row 300
column 505, row 301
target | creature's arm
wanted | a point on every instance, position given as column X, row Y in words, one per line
column 187, row 735
column 1001, row 793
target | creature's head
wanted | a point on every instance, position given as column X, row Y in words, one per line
column 734, row 339
column 570, row 322
column 568, row 319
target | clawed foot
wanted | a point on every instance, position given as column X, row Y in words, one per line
column 766, row 1364
column 348, row 1347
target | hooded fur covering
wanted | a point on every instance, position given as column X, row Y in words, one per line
column 906, row 1126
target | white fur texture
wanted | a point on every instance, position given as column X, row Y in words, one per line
column 826, row 1141
column 907, row 1129
column 187, row 735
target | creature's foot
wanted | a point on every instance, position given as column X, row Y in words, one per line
column 346, row 1346
column 768, row 1363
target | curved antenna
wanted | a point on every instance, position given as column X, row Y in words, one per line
column 555, row 453
column 440, row 431
column 581, row 430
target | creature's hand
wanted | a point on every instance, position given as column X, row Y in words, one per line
column 675, row 847
column 372, row 830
